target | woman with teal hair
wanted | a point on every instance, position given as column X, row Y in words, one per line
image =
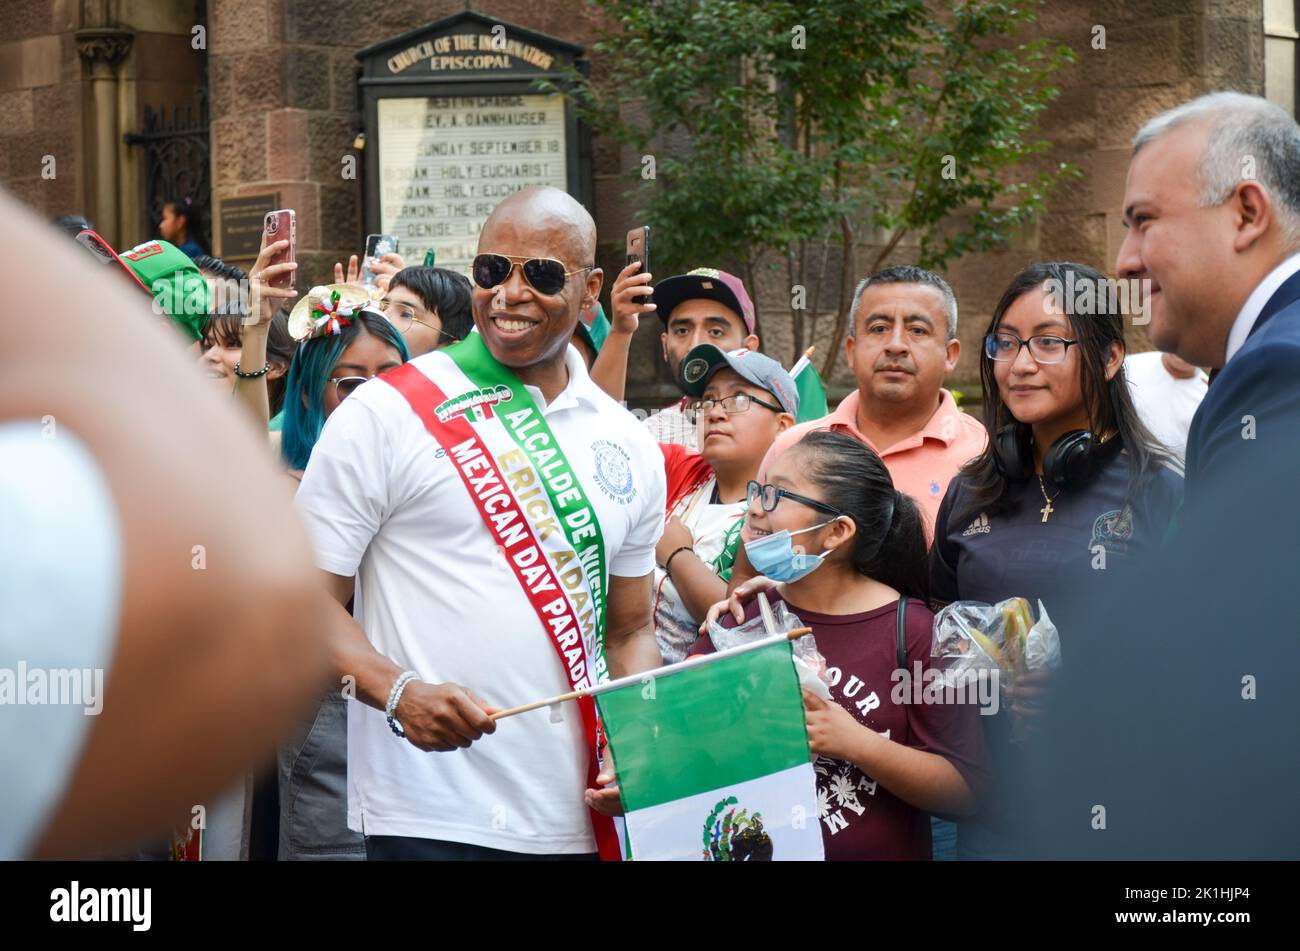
column 344, row 345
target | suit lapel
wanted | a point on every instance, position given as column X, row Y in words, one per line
column 1283, row 297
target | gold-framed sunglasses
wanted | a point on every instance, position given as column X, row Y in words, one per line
column 545, row 275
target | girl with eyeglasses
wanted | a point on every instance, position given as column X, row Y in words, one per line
column 883, row 762
column 1071, row 490
column 339, row 354
column 344, row 346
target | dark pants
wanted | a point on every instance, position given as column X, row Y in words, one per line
column 400, row 848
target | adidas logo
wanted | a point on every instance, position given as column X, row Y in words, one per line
column 978, row 527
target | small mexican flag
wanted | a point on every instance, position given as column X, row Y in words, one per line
column 812, row 392
column 713, row 761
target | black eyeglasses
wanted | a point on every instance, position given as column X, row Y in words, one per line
column 769, row 495
column 1044, row 348
column 736, row 403
column 545, row 275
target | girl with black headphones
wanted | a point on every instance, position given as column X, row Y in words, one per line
column 1071, row 486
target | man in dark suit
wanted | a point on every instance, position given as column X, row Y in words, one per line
column 1172, row 733
column 1212, row 211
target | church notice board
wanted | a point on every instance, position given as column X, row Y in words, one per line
column 454, row 123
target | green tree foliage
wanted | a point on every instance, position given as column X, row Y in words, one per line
column 786, row 132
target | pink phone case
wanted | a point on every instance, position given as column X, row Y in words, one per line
column 279, row 225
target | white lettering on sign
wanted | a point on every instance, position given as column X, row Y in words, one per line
column 445, row 162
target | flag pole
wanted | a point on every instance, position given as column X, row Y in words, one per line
column 802, row 362
column 688, row 664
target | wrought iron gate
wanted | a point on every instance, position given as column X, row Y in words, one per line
column 176, row 149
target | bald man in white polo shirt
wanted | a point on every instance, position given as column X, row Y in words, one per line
column 496, row 514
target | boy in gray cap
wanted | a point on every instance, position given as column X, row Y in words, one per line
column 738, row 402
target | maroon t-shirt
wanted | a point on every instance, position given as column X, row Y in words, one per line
column 861, row 819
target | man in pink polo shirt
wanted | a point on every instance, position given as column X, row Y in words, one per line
column 902, row 343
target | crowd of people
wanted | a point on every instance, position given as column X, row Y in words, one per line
column 491, row 526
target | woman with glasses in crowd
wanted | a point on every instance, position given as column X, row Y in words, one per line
column 1070, row 492
column 344, row 346
column 856, row 574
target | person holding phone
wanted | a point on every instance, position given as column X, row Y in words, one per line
column 1071, row 491
column 253, row 350
column 705, row 305
column 377, row 247
column 382, row 268
column 222, row 349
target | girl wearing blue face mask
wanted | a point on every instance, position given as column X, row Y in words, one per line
column 844, row 550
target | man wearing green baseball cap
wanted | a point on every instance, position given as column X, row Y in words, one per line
column 167, row 274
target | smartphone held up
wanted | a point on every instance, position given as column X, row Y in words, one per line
column 377, row 245
column 281, row 225
column 638, row 248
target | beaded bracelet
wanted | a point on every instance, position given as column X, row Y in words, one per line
column 253, row 376
column 668, row 565
column 394, row 696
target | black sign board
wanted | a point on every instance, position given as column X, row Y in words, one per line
column 241, row 224
column 455, row 122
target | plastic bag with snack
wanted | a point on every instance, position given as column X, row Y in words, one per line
column 808, row 661
column 973, row 636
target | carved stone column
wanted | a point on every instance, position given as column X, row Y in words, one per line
column 102, row 50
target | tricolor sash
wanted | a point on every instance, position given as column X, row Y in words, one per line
column 535, row 509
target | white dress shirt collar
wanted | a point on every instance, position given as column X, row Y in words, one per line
column 580, row 386
column 1250, row 310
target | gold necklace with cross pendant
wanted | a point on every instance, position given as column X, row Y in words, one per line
column 1047, row 509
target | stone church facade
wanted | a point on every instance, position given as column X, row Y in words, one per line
column 239, row 101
